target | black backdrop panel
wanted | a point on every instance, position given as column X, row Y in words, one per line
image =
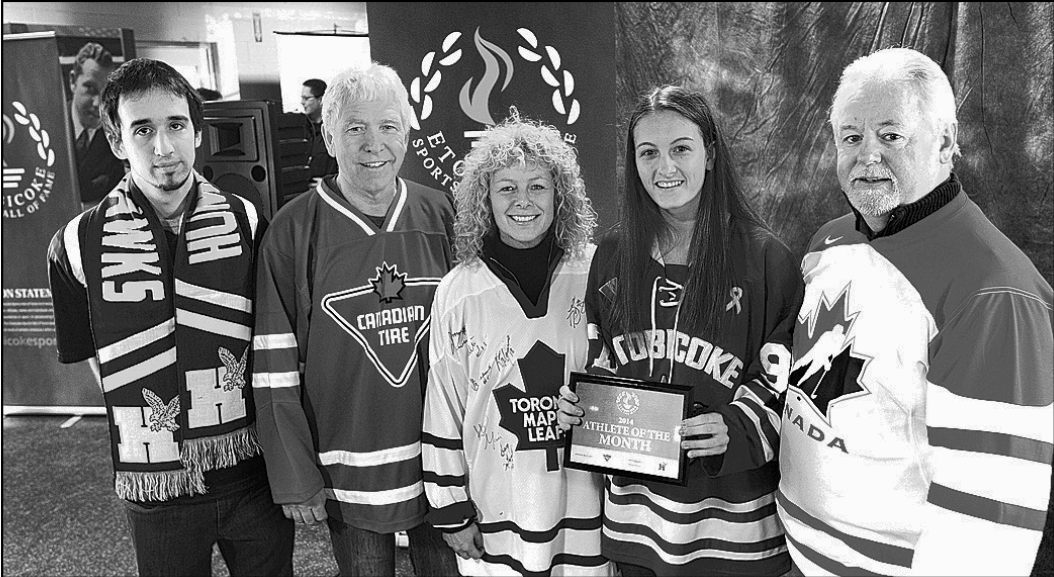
column 771, row 70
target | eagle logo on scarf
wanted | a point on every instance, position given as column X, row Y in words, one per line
column 162, row 416
column 235, row 377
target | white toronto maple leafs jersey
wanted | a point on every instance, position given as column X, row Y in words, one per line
column 917, row 429
column 340, row 352
column 491, row 444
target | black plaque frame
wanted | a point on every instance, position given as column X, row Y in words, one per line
column 618, row 384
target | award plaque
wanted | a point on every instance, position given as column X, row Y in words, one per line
column 630, row 428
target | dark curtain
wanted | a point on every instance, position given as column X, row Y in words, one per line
column 771, row 70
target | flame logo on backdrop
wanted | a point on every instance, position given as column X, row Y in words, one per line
column 477, row 105
column 440, row 146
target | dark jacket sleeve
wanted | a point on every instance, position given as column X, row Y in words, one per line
column 754, row 416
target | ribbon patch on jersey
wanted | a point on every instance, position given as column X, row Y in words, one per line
column 387, row 317
column 530, row 414
column 737, row 294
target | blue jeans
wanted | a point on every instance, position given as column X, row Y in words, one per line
column 364, row 553
column 254, row 536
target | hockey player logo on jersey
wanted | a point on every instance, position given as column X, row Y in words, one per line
column 826, row 370
column 387, row 316
column 530, row 414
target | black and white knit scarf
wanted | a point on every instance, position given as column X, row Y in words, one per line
column 173, row 342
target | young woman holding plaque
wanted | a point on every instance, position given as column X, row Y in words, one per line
column 692, row 288
column 507, row 327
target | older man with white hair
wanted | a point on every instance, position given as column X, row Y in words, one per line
column 920, row 443
column 347, row 275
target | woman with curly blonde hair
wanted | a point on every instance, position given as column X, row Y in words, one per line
column 508, row 326
column 520, row 142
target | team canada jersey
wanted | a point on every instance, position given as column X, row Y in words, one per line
column 724, row 521
column 492, row 447
column 917, row 431
column 341, row 351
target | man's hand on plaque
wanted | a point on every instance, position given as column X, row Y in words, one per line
column 704, row 435
column 568, row 414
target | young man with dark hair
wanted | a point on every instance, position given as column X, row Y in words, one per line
column 154, row 287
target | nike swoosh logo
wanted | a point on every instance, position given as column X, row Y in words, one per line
column 830, row 240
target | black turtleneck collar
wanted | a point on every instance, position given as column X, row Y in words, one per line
column 906, row 215
column 527, row 272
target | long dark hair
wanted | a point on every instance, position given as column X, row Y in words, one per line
column 723, row 210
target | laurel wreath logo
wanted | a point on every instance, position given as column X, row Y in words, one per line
column 564, row 84
column 449, row 58
column 40, row 136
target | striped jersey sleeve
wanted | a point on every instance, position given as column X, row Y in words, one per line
column 990, row 424
column 442, row 447
column 69, row 295
column 599, row 296
column 282, row 426
column 755, row 414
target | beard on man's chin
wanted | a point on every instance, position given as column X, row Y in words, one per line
column 878, row 204
column 169, row 186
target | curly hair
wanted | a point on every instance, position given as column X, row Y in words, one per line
column 521, row 142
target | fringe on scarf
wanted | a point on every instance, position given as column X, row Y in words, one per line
column 221, row 451
column 158, row 486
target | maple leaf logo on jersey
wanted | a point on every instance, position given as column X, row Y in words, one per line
column 388, row 283
column 827, row 371
column 531, row 414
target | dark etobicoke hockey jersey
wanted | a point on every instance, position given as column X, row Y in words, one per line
column 492, row 446
column 918, row 424
column 724, row 521
column 341, row 351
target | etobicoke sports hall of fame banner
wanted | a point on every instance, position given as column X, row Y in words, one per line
column 465, row 64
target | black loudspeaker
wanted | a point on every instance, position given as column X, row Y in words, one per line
column 248, row 150
column 294, row 150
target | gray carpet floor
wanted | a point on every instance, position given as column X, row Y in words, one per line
column 61, row 516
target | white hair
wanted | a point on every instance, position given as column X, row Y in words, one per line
column 354, row 85
column 907, row 66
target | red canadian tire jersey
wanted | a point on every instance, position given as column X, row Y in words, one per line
column 342, row 346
